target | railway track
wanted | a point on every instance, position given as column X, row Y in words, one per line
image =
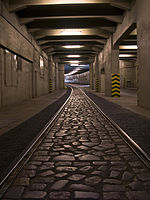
column 73, row 157
column 16, row 167
column 143, row 156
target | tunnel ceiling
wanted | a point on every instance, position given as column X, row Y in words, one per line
column 58, row 23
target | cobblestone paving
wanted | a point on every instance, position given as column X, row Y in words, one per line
column 82, row 158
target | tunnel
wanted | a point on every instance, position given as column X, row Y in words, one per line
column 74, row 99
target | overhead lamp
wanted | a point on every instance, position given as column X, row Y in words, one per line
column 7, row 51
column 73, row 56
column 70, row 32
column 74, row 65
column 128, row 47
column 74, row 61
column 72, row 46
column 126, row 55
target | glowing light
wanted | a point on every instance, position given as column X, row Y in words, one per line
column 74, row 61
column 74, row 65
column 126, row 56
column 71, row 1
column 128, row 47
column 73, row 56
column 70, row 32
column 82, row 65
column 41, row 63
column 7, row 51
column 72, row 46
column 15, row 57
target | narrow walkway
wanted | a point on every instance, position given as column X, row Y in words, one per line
column 13, row 115
column 82, row 157
column 31, row 116
column 128, row 100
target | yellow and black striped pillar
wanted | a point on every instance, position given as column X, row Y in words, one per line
column 50, row 85
column 115, row 85
column 97, row 85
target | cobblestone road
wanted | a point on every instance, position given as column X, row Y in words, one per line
column 82, row 158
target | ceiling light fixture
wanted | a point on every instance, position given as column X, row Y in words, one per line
column 126, row 56
column 70, row 32
column 74, row 65
column 73, row 56
column 128, row 47
column 72, row 46
column 74, row 61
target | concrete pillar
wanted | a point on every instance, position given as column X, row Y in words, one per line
column 94, row 75
column 143, row 38
column 0, row 7
column 91, row 75
column 97, row 74
column 56, row 77
column 112, row 65
column 34, row 76
column 101, row 73
column 1, row 75
column 51, row 75
column 61, row 76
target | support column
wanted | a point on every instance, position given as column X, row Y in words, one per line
column 94, row 74
column 91, row 75
column 56, row 77
column 97, row 74
column 1, row 77
column 112, row 65
column 102, row 72
column 52, row 75
column 61, row 76
column 143, row 38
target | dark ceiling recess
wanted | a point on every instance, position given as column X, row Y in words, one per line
column 69, row 10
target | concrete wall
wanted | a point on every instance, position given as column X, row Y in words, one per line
column 143, row 38
column 23, row 75
column 128, row 74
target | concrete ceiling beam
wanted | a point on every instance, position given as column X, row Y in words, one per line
column 110, row 29
column 127, row 26
column 117, row 18
column 42, row 42
column 15, row 5
column 56, row 52
column 123, row 4
column 57, row 32
column 112, row 18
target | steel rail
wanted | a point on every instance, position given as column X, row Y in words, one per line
column 29, row 150
column 143, row 156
